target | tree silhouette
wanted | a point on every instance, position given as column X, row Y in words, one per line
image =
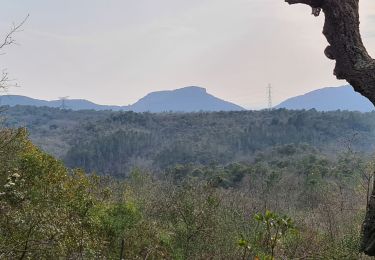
column 8, row 39
column 354, row 64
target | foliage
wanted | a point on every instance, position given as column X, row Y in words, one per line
column 271, row 229
column 115, row 142
column 188, row 211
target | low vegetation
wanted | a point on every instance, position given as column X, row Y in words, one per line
column 290, row 202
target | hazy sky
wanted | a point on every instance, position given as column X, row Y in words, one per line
column 116, row 51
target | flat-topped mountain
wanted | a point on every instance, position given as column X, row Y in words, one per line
column 188, row 99
column 329, row 99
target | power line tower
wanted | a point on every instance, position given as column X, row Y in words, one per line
column 63, row 100
column 269, row 89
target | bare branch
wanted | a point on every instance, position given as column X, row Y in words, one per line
column 307, row 2
column 8, row 39
column 341, row 28
column 5, row 81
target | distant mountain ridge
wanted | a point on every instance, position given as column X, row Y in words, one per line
column 188, row 99
column 329, row 99
column 194, row 99
column 74, row 104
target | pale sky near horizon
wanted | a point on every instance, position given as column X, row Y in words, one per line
column 116, row 51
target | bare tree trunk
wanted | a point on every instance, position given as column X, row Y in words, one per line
column 341, row 29
column 368, row 228
column 355, row 65
column 122, row 249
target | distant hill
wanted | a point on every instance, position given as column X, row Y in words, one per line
column 188, row 99
column 329, row 99
column 73, row 104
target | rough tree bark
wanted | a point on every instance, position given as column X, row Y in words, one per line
column 355, row 65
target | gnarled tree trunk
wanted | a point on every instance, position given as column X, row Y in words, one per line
column 354, row 64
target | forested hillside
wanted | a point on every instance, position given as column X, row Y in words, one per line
column 231, row 185
column 289, row 203
column 115, row 142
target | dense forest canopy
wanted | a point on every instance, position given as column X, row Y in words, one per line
column 115, row 142
column 290, row 202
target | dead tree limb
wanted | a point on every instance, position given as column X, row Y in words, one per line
column 355, row 65
column 341, row 28
column 8, row 39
